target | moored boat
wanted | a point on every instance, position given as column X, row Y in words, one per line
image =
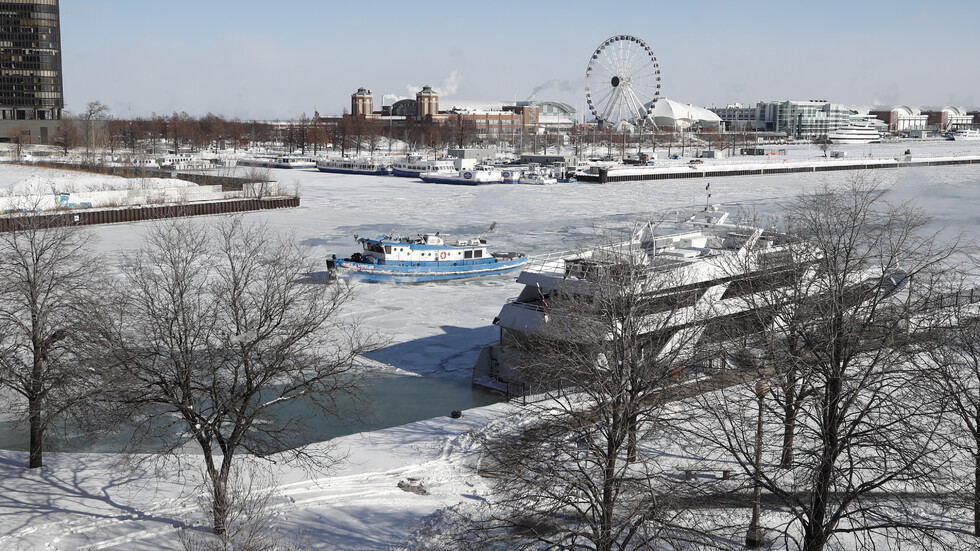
column 414, row 166
column 475, row 176
column 294, row 161
column 538, row 176
column 355, row 165
column 856, row 133
column 279, row 161
column 511, row 175
column 426, row 257
column 966, row 134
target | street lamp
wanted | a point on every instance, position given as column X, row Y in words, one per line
column 753, row 538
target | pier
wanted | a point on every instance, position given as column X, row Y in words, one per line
column 754, row 168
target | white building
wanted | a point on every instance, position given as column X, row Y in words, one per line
column 902, row 118
column 667, row 113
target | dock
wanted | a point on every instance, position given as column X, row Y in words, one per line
column 738, row 167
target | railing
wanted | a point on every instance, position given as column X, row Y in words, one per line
column 525, row 305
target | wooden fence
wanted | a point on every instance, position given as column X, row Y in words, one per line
column 83, row 216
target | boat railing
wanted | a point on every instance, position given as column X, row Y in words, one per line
column 551, row 263
column 533, row 306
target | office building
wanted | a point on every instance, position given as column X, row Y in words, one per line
column 30, row 61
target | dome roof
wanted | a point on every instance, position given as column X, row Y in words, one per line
column 668, row 112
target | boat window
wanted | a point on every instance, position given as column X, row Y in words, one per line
column 478, row 253
column 387, row 249
column 468, row 254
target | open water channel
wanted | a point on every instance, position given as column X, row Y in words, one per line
column 390, row 401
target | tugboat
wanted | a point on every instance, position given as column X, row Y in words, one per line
column 426, row 257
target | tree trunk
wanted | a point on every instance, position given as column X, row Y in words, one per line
column 789, row 430
column 976, row 496
column 976, row 486
column 789, row 421
column 34, row 406
column 815, row 534
column 814, row 538
column 37, row 432
column 631, row 439
column 219, row 505
column 608, row 501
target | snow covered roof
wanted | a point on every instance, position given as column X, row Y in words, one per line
column 668, row 112
column 471, row 106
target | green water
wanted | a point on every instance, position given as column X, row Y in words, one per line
column 388, row 402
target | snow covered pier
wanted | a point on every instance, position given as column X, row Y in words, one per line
column 787, row 166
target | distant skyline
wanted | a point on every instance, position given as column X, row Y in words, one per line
column 260, row 60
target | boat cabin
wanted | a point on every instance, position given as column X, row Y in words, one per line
column 425, row 248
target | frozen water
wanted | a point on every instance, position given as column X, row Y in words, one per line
column 435, row 329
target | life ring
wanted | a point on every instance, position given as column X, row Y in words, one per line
column 442, row 255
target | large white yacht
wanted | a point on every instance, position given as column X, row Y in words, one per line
column 971, row 134
column 855, row 132
column 698, row 271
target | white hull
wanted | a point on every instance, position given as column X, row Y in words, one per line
column 966, row 135
column 467, row 177
column 840, row 141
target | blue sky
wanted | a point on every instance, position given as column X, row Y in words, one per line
column 259, row 59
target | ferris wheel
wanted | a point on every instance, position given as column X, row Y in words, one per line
column 622, row 82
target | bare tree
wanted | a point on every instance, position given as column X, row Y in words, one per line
column 66, row 135
column 865, row 426
column 94, row 117
column 824, row 146
column 181, row 128
column 251, row 520
column 216, row 331
column 213, row 129
column 47, row 302
column 954, row 367
column 343, row 134
column 20, row 136
column 580, row 473
column 318, row 133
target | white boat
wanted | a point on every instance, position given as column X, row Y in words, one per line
column 965, row 134
column 182, row 161
column 856, row 133
column 511, row 174
column 414, row 166
column 279, row 161
column 294, row 161
column 697, row 256
column 538, row 176
column 475, row 176
column 355, row 165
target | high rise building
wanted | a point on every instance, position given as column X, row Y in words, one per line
column 30, row 60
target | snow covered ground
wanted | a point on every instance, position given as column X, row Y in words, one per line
column 17, row 180
column 89, row 501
